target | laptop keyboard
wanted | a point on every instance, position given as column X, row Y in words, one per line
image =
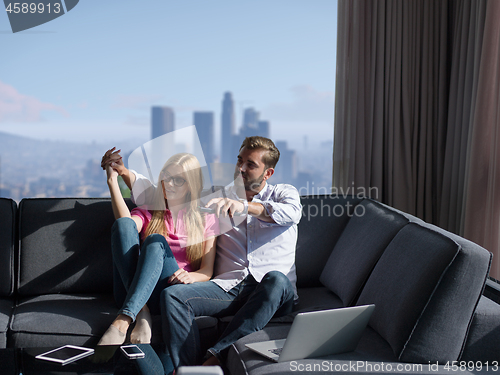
column 276, row 351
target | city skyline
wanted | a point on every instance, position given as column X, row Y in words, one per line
column 232, row 137
column 71, row 88
column 73, row 81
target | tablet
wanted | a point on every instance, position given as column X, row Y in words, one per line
column 66, row 354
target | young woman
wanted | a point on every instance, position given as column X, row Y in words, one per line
column 171, row 244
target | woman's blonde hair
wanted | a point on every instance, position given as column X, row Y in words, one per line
column 193, row 221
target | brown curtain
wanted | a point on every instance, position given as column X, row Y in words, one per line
column 416, row 113
column 482, row 198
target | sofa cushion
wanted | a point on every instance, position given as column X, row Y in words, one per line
column 65, row 246
column 483, row 340
column 447, row 318
column 315, row 299
column 60, row 319
column 324, row 217
column 402, row 285
column 8, row 208
column 363, row 241
column 207, row 330
column 6, row 306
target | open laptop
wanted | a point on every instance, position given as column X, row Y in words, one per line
column 317, row 334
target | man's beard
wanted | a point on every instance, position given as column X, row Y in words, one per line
column 254, row 184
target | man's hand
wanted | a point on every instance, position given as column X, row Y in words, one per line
column 113, row 158
column 181, row 276
column 225, row 206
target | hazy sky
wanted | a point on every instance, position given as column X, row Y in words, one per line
column 94, row 73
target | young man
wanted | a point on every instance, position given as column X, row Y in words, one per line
column 255, row 261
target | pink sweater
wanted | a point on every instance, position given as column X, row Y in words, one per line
column 177, row 238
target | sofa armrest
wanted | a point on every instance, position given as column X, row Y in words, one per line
column 483, row 341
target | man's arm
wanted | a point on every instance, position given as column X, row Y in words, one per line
column 283, row 209
column 259, row 211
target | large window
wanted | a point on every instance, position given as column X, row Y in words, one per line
column 100, row 75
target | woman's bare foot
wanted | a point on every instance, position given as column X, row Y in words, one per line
column 142, row 332
column 117, row 331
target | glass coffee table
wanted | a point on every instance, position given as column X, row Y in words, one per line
column 105, row 360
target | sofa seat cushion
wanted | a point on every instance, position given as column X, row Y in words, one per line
column 314, row 299
column 59, row 319
column 241, row 360
column 6, row 307
column 483, row 340
column 369, row 231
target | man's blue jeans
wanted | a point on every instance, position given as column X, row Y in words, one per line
column 253, row 304
column 140, row 273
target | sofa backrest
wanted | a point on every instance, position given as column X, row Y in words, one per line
column 64, row 246
column 425, row 287
column 324, row 218
column 8, row 210
column 364, row 239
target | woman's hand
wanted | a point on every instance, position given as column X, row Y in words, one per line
column 111, row 173
column 181, row 276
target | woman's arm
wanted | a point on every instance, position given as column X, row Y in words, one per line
column 206, row 269
column 120, row 208
column 207, row 262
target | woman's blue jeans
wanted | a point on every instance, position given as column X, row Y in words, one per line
column 140, row 273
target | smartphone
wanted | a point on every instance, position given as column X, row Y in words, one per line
column 200, row 370
column 65, row 354
column 132, row 351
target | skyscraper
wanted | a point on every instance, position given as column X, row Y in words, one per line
column 228, row 125
column 263, row 127
column 250, row 123
column 286, row 172
column 162, row 121
column 204, row 123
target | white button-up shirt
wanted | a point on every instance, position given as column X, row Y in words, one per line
column 253, row 246
column 256, row 247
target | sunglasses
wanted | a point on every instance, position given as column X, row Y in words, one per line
column 178, row 181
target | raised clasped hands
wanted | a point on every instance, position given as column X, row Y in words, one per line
column 225, row 206
column 113, row 159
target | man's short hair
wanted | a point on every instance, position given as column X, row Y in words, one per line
column 271, row 157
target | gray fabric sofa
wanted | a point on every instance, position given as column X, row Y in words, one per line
column 427, row 284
